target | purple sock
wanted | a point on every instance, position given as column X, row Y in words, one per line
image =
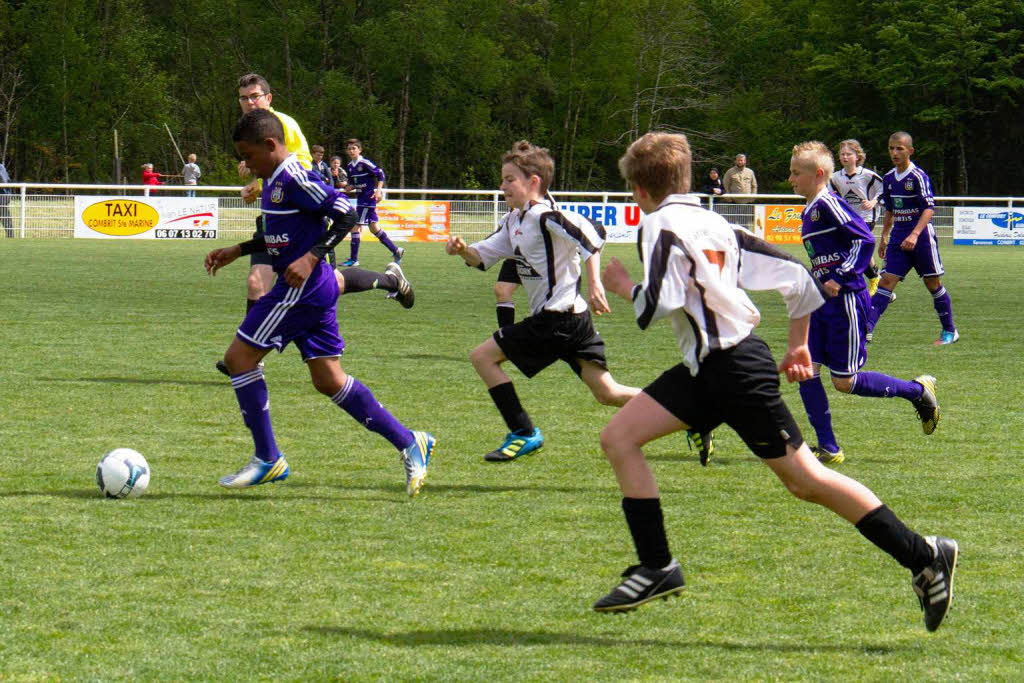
column 386, row 241
column 879, row 302
column 251, row 390
column 359, row 402
column 883, row 386
column 354, row 254
column 812, row 393
column 944, row 307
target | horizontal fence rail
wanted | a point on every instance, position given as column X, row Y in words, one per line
column 40, row 210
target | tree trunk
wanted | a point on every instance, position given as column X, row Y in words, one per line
column 403, row 125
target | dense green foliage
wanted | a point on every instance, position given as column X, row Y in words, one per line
column 438, row 88
column 489, row 574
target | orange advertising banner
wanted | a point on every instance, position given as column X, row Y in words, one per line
column 414, row 220
column 778, row 223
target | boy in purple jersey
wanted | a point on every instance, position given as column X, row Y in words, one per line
column 366, row 179
column 839, row 243
column 300, row 307
column 909, row 207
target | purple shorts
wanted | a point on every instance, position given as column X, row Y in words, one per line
column 924, row 259
column 836, row 337
column 366, row 213
column 304, row 315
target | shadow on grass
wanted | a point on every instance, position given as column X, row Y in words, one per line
column 490, row 636
column 138, row 380
column 399, row 497
column 464, row 358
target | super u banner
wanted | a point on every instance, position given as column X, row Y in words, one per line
column 144, row 218
column 620, row 221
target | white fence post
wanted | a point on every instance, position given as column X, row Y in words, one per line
column 24, row 196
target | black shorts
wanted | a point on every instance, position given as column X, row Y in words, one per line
column 259, row 258
column 509, row 273
column 536, row 342
column 737, row 386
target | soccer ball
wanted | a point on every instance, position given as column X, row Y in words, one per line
column 122, row 473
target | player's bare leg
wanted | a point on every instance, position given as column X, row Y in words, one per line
column 640, row 421
column 809, row 480
column 603, row 386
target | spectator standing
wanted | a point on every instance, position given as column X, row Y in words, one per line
column 190, row 175
column 5, row 203
column 149, row 176
column 320, row 167
column 740, row 179
column 713, row 185
column 338, row 178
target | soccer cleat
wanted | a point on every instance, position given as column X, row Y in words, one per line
column 948, row 338
column 399, row 253
column 927, row 405
column 349, row 263
column 416, row 457
column 223, row 368
column 704, row 442
column 827, row 457
column 868, row 336
column 516, row 445
column 256, row 472
column 641, row 585
column 934, row 584
column 404, row 295
column 873, row 285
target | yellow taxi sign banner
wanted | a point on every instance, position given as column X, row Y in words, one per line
column 145, row 217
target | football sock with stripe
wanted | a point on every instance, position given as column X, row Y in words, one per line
column 386, row 241
column 354, row 253
column 505, row 398
column 254, row 402
column 879, row 302
column 819, row 414
column 356, row 399
column 878, row 385
column 362, row 280
column 882, row 527
column 647, row 526
column 506, row 311
column 944, row 307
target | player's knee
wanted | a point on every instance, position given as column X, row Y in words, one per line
column 843, row 384
column 325, row 385
column 614, row 440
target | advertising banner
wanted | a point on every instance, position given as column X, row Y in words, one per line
column 145, row 218
column 988, row 225
column 413, row 220
column 620, row 221
column 778, row 223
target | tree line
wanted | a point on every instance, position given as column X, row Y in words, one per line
column 438, row 89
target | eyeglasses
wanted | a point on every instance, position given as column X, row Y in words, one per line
column 251, row 98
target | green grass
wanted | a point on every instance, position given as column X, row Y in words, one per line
column 490, row 573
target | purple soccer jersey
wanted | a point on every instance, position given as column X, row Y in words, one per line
column 906, row 195
column 294, row 203
column 363, row 175
column 839, row 244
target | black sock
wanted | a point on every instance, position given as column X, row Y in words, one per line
column 871, row 272
column 882, row 527
column 647, row 525
column 361, row 280
column 249, row 303
column 506, row 311
column 505, row 398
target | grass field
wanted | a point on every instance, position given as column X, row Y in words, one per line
column 490, row 573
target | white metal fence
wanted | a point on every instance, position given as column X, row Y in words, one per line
column 36, row 210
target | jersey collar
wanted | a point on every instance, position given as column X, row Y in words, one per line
column 290, row 158
column 910, row 169
column 690, row 199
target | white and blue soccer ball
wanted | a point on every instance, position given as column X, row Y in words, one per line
column 122, row 473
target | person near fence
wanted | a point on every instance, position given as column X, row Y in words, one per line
column 149, row 176
column 860, row 187
column 300, row 308
column 547, row 246
column 5, row 203
column 696, row 270
column 909, row 207
column 338, row 178
column 366, row 182
column 740, row 179
column 321, row 167
column 190, row 173
column 839, row 243
column 713, row 185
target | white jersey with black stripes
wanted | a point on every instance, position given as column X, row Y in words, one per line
column 548, row 246
column 856, row 188
column 696, row 268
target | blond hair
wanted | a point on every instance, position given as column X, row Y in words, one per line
column 532, row 160
column 659, row 163
column 817, row 154
column 855, row 147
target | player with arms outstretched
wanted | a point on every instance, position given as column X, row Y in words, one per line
column 696, row 267
column 839, row 244
column 300, row 308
